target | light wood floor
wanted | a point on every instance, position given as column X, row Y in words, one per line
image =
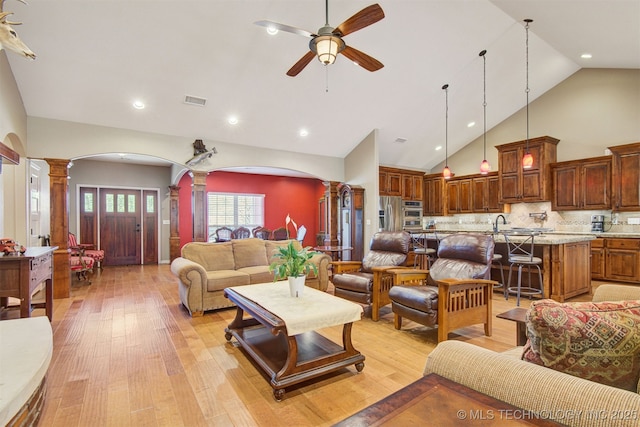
column 126, row 353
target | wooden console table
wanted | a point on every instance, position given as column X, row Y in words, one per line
column 21, row 274
column 289, row 357
column 438, row 401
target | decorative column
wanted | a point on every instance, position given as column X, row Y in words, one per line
column 59, row 193
column 199, row 206
column 174, row 222
column 331, row 238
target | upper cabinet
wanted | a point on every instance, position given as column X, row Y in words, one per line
column 626, row 177
column 486, row 193
column 526, row 185
column 390, row 182
column 459, row 196
column 583, row 184
column 400, row 182
column 434, row 195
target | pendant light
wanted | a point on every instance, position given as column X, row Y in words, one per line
column 446, row 172
column 527, row 160
column 485, row 167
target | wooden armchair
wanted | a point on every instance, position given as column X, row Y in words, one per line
column 280, row 233
column 454, row 293
column 241, row 233
column 223, row 234
column 452, row 304
column 369, row 281
column 262, row 233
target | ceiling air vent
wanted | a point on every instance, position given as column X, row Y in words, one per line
column 194, row 100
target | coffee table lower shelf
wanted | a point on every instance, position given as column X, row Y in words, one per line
column 288, row 360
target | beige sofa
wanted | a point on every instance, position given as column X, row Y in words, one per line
column 205, row 269
column 567, row 399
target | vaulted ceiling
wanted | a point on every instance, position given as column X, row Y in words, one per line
column 94, row 58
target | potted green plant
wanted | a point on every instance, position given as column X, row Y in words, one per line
column 294, row 265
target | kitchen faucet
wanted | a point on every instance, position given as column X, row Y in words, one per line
column 495, row 226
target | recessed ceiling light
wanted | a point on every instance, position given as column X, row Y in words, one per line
column 586, row 56
column 272, row 30
column 400, row 140
column 233, row 120
column 304, row 132
column 438, row 147
column 138, row 105
column 471, row 124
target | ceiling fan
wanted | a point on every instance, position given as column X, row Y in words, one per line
column 328, row 43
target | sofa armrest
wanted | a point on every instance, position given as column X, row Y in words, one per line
column 322, row 262
column 192, row 282
column 528, row 386
column 610, row 292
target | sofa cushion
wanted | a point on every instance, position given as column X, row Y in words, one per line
column 258, row 274
column 595, row 341
column 249, row 252
column 219, row 279
column 211, row 256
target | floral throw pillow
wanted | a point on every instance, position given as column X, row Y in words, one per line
column 595, row 341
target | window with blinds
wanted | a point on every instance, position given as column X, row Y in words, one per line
column 234, row 210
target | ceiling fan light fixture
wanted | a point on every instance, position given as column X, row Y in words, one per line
column 327, row 48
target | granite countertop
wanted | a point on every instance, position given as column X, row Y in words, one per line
column 545, row 238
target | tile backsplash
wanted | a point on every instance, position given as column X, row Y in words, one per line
column 569, row 221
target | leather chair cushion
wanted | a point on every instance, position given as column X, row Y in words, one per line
column 356, row 281
column 380, row 259
column 445, row 268
column 476, row 248
column 421, row 298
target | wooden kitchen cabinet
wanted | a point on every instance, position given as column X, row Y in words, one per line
column 526, row 185
column 597, row 259
column 626, row 177
column 486, row 193
column 412, row 187
column 401, row 182
column 623, row 260
column 459, row 196
column 583, row 184
column 615, row 259
column 390, row 182
column 433, row 198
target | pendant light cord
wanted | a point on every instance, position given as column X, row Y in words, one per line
column 446, row 125
column 484, row 101
column 526, row 27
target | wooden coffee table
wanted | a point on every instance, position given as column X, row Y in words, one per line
column 286, row 356
column 437, row 401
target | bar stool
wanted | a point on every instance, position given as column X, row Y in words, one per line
column 497, row 259
column 521, row 255
column 422, row 253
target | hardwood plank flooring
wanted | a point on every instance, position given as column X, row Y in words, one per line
column 126, row 353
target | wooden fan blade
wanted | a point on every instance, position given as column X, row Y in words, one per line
column 367, row 16
column 286, row 28
column 362, row 59
column 299, row 66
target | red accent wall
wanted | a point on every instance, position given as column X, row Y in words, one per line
column 284, row 195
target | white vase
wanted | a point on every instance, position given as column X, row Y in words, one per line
column 296, row 285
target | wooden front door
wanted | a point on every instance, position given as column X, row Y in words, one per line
column 121, row 225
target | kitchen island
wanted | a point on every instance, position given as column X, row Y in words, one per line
column 566, row 260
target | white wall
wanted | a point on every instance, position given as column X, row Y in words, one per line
column 361, row 168
column 588, row 112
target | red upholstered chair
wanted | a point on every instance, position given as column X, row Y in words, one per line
column 88, row 250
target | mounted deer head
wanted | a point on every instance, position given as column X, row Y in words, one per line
column 9, row 38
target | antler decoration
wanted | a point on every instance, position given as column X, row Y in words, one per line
column 9, row 38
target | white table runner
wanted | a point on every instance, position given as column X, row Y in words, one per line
column 313, row 310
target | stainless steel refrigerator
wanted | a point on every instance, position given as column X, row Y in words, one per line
column 390, row 213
